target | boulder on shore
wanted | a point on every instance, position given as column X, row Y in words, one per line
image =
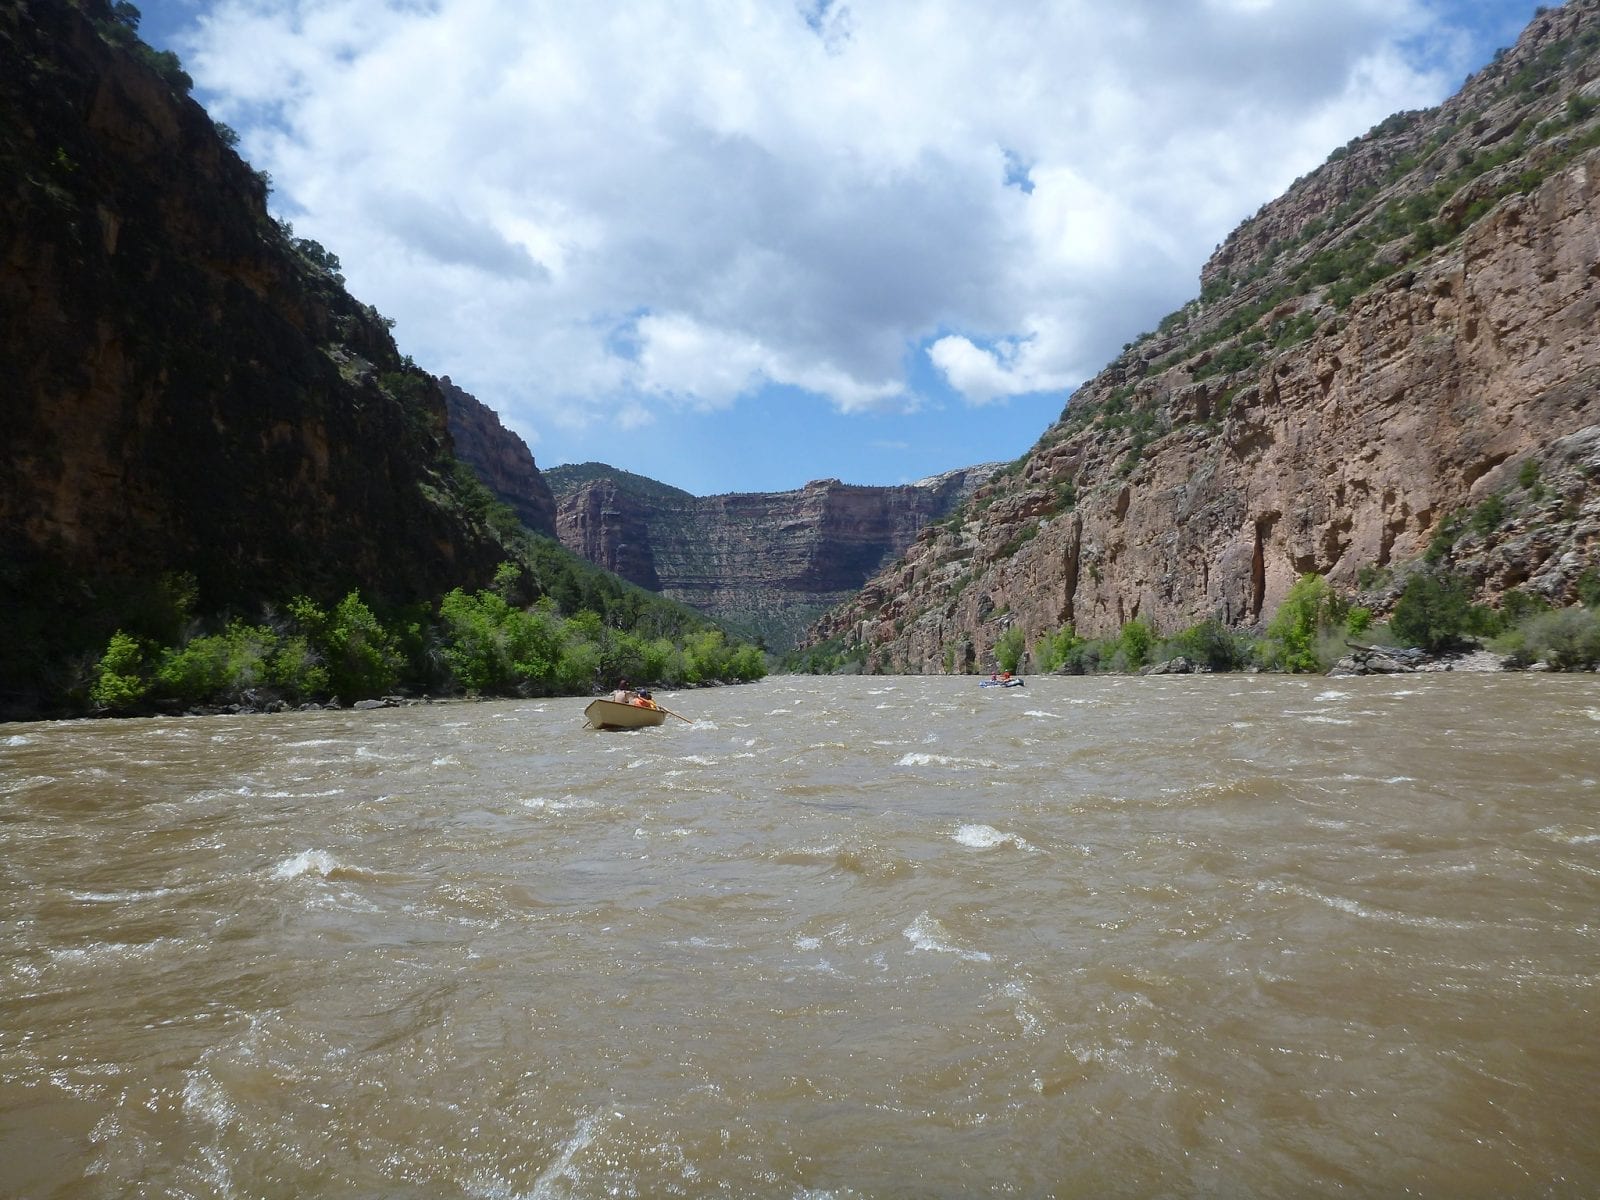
column 1397, row 660
column 1173, row 666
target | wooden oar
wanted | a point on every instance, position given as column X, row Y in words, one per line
column 670, row 713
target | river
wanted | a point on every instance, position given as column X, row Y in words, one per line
column 1230, row 936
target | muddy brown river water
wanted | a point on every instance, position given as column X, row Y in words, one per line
column 891, row 937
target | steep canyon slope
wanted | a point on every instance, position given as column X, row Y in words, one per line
column 766, row 563
column 499, row 458
column 1411, row 333
column 187, row 388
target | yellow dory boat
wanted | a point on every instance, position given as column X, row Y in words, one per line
column 609, row 714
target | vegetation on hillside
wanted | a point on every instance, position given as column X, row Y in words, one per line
column 569, row 477
column 483, row 643
column 1313, row 628
column 257, row 578
column 551, row 624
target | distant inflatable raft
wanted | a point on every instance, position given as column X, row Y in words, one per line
column 1001, row 683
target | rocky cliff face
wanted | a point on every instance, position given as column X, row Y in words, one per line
column 187, row 388
column 499, row 458
column 1402, row 352
column 768, row 563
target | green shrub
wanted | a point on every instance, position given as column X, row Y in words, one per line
column 1372, row 576
column 747, row 664
column 659, row 656
column 1294, row 330
column 120, row 683
column 1488, row 516
column 1310, row 608
column 476, row 647
column 364, row 658
column 1566, row 638
column 1433, row 612
column 210, row 669
column 1588, row 586
column 295, row 671
column 1443, row 540
column 579, row 668
column 361, row 657
column 1134, row 644
column 703, row 656
column 217, row 667
column 534, row 638
column 1240, row 357
column 1086, row 657
column 1055, row 650
column 166, row 64
column 1009, row 648
column 1211, row 644
column 1517, row 606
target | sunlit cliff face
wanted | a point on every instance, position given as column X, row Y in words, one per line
column 1287, row 424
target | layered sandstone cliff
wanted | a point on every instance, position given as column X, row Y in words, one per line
column 767, row 563
column 1411, row 334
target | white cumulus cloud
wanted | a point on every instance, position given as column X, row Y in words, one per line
column 583, row 212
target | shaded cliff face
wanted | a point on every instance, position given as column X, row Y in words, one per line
column 1412, row 332
column 768, row 562
column 499, row 458
column 186, row 387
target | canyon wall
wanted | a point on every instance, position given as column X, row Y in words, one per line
column 1409, row 335
column 765, row 563
column 188, row 390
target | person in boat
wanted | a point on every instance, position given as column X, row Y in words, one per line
column 623, row 695
column 643, row 699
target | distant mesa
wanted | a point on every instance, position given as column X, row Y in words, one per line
column 764, row 563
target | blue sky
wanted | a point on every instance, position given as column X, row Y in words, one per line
column 738, row 245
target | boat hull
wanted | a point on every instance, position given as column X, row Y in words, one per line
column 608, row 714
